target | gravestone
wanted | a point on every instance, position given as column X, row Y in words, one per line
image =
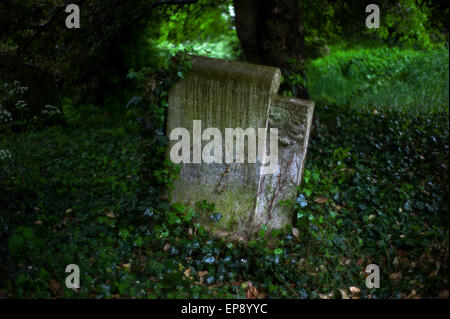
column 215, row 98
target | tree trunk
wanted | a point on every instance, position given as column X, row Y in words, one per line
column 271, row 33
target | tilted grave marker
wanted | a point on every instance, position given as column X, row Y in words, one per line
column 219, row 98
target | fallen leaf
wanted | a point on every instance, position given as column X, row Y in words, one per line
column 395, row 276
column 295, row 232
column 444, row 294
column 321, row 199
column 343, row 294
column 214, row 286
column 54, row 286
column 252, row 292
column 201, row 274
column 355, row 290
column 396, row 260
column 261, row 295
column 187, row 273
column 434, row 273
column 414, row 295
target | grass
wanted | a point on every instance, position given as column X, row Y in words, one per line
column 380, row 78
column 375, row 191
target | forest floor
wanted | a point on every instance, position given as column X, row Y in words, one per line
column 375, row 191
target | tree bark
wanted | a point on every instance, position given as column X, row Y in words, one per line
column 271, row 33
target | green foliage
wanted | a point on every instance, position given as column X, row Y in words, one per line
column 14, row 110
column 90, row 63
column 382, row 78
column 373, row 193
column 11, row 101
column 375, row 190
column 206, row 27
column 407, row 23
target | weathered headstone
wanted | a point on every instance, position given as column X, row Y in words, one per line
column 219, row 98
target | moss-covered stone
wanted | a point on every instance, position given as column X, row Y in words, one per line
column 225, row 94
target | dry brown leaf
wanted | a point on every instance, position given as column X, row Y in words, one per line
column 187, row 273
column 252, row 292
column 444, row 294
column 38, row 222
column 201, row 274
column 434, row 273
column 166, row 247
column 396, row 275
column 261, row 295
column 344, row 294
column 54, row 286
column 355, row 290
column 295, row 232
column 345, row 261
column 321, row 199
column 414, row 295
column 214, row 286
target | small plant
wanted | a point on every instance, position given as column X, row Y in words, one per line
column 11, row 102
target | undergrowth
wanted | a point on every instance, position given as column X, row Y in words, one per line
column 382, row 78
column 375, row 191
